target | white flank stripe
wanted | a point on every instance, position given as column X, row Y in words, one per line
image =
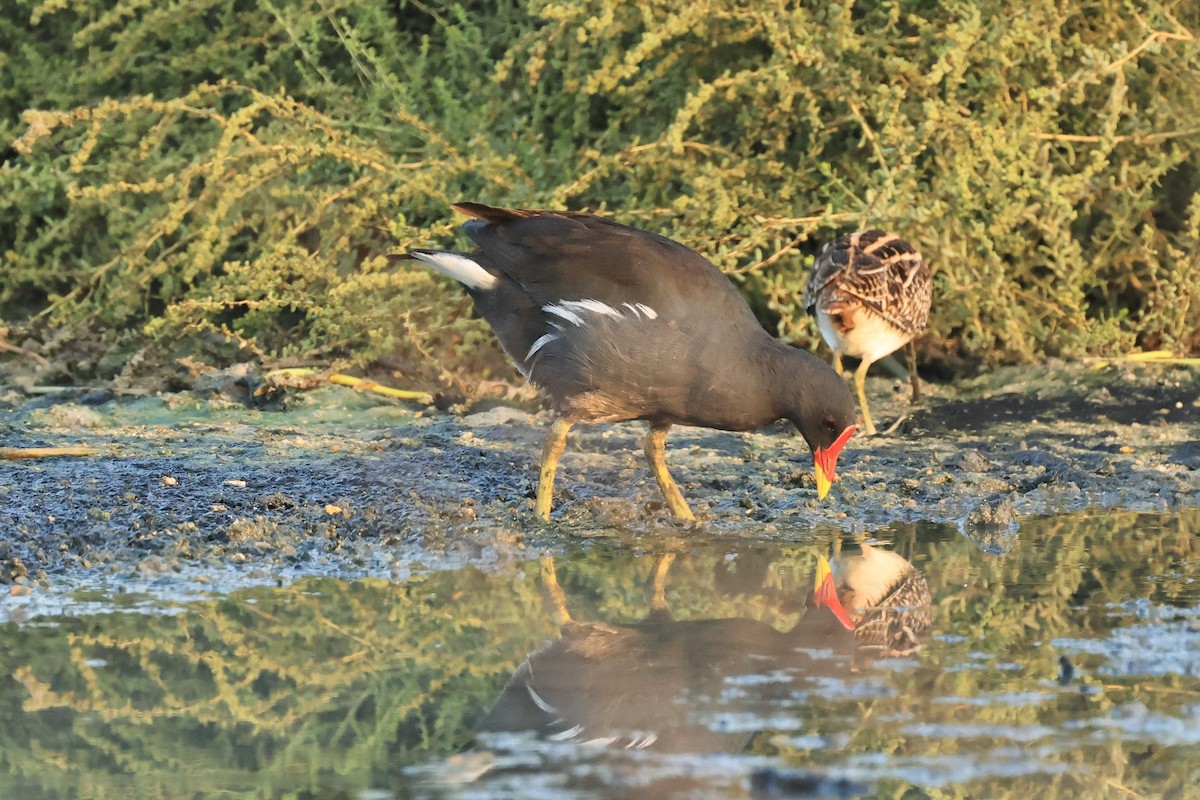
column 458, row 267
column 564, row 312
column 595, row 306
column 542, row 341
column 648, row 740
column 573, row 310
column 539, row 702
column 603, row 741
column 569, row 733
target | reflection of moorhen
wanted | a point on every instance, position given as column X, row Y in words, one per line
column 645, row 683
column 888, row 599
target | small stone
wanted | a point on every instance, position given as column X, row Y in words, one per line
column 969, row 461
column 498, row 415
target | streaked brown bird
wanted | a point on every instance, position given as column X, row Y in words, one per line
column 613, row 323
column 870, row 293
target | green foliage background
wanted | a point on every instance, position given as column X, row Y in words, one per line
column 242, row 166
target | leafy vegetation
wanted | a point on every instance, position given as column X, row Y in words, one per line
column 174, row 170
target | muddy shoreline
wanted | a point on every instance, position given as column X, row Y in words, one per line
column 340, row 482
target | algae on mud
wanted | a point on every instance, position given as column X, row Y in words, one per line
column 339, row 478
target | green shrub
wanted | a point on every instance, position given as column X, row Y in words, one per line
column 244, row 167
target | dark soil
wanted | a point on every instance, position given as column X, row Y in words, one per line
column 338, row 481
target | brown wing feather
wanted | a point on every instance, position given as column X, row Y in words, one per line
column 492, row 213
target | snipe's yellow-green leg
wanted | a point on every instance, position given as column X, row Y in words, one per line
column 656, row 455
column 860, row 378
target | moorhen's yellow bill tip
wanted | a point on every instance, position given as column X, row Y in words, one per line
column 824, row 569
column 825, row 461
column 823, row 482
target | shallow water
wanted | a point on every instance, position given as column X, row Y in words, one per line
column 1066, row 666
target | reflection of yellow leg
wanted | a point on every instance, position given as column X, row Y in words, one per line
column 837, row 362
column 552, row 450
column 860, row 377
column 912, row 372
column 657, row 457
column 658, row 601
column 558, row 597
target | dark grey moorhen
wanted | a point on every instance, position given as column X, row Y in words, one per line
column 613, row 323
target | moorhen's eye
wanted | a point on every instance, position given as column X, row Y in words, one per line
column 830, row 425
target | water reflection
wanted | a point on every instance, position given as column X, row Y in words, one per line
column 708, row 685
column 342, row 688
column 648, row 683
column 888, row 599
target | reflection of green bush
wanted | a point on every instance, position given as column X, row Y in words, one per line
column 325, row 685
column 286, row 689
column 242, row 166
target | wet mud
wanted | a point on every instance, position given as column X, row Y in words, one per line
column 331, row 481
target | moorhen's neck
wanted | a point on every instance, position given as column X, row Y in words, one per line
column 801, row 385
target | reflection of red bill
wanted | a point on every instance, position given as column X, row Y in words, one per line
column 826, row 594
column 825, row 462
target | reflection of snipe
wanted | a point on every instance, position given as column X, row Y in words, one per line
column 888, row 598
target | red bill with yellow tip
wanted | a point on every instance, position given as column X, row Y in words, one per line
column 825, row 461
column 825, row 594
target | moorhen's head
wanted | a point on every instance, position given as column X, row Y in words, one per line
column 826, row 420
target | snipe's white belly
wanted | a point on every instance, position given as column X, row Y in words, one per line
column 864, row 335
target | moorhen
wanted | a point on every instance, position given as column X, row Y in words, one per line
column 614, row 323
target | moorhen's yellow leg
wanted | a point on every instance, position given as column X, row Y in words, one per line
column 860, row 378
column 557, row 596
column 912, row 371
column 837, row 362
column 552, row 450
column 657, row 457
column 658, row 601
